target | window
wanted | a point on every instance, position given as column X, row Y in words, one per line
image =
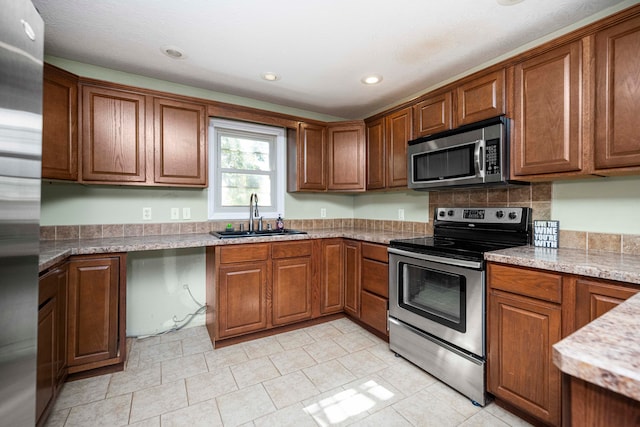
column 245, row 158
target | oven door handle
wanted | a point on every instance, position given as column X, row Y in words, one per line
column 442, row 260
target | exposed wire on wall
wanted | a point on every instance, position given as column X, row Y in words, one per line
column 177, row 322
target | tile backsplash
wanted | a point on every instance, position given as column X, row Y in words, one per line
column 536, row 196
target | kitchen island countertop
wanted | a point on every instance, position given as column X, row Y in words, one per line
column 53, row 252
column 606, row 352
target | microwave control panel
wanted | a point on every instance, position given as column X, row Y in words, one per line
column 492, row 157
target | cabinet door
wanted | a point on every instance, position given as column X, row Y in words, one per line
column 617, row 141
column 113, row 135
column 46, row 359
column 311, row 160
column 52, row 336
column 94, row 322
column 352, row 278
column 548, row 114
column 399, row 128
column 373, row 311
column 594, row 298
column 481, row 98
column 376, row 155
column 242, row 298
column 291, row 294
column 432, row 115
column 346, row 157
column 59, row 124
column 332, row 276
column 180, row 142
column 520, row 369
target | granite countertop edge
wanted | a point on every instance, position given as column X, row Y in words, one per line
column 53, row 252
column 606, row 352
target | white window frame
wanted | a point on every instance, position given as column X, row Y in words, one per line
column 214, row 170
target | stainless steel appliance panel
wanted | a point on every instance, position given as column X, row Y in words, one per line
column 21, row 53
column 472, row 339
column 462, row 372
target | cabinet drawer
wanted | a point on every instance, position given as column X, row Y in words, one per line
column 377, row 252
column 291, row 249
column 375, row 277
column 373, row 311
column 536, row 284
column 242, row 253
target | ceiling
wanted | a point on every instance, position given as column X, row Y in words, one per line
column 320, row 49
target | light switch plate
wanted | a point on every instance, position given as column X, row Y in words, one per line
column 175, row 213
column 186, row 213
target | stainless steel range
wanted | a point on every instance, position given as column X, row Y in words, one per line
column 437, row 292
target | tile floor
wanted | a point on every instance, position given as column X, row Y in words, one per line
column 332, row 374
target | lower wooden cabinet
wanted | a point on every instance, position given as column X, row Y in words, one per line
column 291, row 286
column 374, row 279
column 528, row 311
column 242, row 298
column 52, row 336
column 259, row 286
column 96, row 312
column 332, row 295
column 522, row 331
column 596, row 297
column 352, row 278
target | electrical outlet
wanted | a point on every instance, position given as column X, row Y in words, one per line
column 401, row 214
column 175, row 213
column 186, row 213
column 146, row 214
column 323, row 213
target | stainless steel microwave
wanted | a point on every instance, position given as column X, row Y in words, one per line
column 472, row 155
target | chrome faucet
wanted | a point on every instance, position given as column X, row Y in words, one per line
column 253, row 210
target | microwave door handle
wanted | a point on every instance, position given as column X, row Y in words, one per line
column 479, row 156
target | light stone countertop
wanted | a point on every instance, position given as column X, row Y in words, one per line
column 603, row 265
column 606, row 352
column 54, row 252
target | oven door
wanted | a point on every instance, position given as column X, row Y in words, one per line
column 441, row 296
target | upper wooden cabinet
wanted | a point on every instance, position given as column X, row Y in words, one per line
column 307, row 159
column 59, row 124
column 617, row 67
column 326, row 158
column 387, row 139
column 346, row 156
column 376, row 154
column 399, row 130
column 548, row 114
column 433, row 114
column 134, row 138
column 481, row 98
column 113, row 135
column 180, row 142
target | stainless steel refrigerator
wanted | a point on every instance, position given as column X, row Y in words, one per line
column 21, row 53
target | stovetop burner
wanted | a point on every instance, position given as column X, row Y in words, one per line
column 467, row 233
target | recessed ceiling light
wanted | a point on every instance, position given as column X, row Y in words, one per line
column 372, row 79
column 173, row 52
column 508, row 2
column 271, row 77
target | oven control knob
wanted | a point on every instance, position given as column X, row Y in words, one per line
column 513, row 215
column 500, row 214
column 450, row 212
column 441, row 213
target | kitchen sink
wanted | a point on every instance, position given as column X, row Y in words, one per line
column 259, row 233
